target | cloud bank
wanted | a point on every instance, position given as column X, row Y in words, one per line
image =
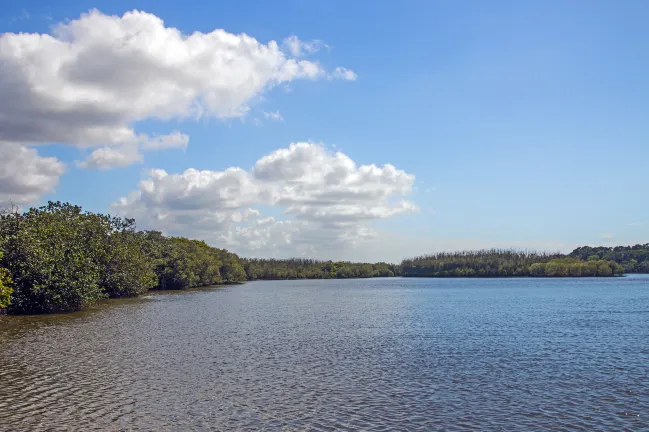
column 91, row 80
column 24, row 175
column 318, row 200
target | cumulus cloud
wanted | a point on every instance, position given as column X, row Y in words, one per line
column 344, row 74
column 325, row 199
column 109, row 157
column 313, row 184
column 25, row 175
column 92, row 79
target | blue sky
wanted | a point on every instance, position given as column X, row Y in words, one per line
column 521, row 124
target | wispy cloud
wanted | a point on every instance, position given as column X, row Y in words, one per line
column 343, row 74
column 299, row 48
column 635, row 224
column 607, row 236
column 276, row 116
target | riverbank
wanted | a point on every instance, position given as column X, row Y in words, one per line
column 59, row 258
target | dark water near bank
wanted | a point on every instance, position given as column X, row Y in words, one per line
column 380, row 355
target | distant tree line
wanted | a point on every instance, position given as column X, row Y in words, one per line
column 574, row 267
column 506, row 263
column 297, row 268
column 634, row 259
column 59, row 258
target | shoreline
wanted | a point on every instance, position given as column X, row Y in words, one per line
column 104, row 303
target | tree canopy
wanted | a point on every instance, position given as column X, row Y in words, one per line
column 298, row 268
column 59, row 258
column 505, row 263
column 5, row 286
column 634, row 259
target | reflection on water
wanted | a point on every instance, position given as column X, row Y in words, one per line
column 398, row 354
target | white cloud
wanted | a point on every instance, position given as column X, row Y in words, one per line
column 298, row 48
column 276, row 116
column 173, row 140
column 109, row 157
column 607, row 236
column 344, row 74
column 326, row 201
column 25, row 175
column 635, row 224
column 90, row 81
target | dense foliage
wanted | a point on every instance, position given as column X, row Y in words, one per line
column 574, row 267
column 634, row 259
column 54, row 255
column 60, row 258
column 182, row 263
column 313, row 269
column 5, row 286
column 505, row 263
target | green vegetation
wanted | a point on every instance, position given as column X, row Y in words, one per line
column 54, row 255
column 505, row 263
column 58, row 258
column 5, row 287
column 181, row 263
column 314, row 269
column 634, row 259
column 573, row 267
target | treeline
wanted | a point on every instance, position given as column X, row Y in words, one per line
column 506, row 263
column 58, row 258
column 313, row 269
column 574, row 267
column 634, row 259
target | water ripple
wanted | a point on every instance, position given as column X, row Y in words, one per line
column 375, row 355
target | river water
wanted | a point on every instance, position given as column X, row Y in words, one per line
column 377, row 355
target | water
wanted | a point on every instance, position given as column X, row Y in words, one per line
column 380, row 355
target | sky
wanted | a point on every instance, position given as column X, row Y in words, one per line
column 364, row 131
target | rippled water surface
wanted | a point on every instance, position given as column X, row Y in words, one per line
column 380, row 355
